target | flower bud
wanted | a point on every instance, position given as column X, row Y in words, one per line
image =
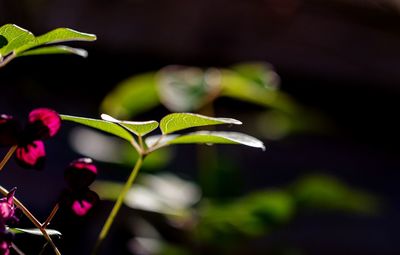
column 80, row 173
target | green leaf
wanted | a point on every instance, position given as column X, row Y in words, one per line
column 139, row 128
column 56, row 36
column 20, row 41
column 178, row 121
column 15, row 37
column 102, row 125
column 185, row 88
column 328, row 193
column 208, row 137
column 59, row 49
column 260, row 73
column 132, row 96
column 252, row 215
column 35, row 231
column 239, row 87
column 64, row 35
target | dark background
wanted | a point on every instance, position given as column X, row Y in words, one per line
column 340, row 57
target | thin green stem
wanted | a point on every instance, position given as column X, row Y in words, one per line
column 156, row 145
column 135, row 145
column 141, row 143
column 7, row 157
column 118, row 204
column 32, row 218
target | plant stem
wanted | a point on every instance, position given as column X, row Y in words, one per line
column 16, row 249
column 141, row 143
column 118, row 204
column 7, row 59
column 7, row 156
column 51, row 216
column 136, row 146
column 32, row 218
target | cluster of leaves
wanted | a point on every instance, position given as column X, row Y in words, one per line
column 168, row 125
column 16, row 42
column 220, row 224
column 184, row 88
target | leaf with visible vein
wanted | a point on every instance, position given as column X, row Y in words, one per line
column 16, row 37
column 64, row 35
column 208, row 137
column 139, row 128
column 178, row 121
column 102, row 125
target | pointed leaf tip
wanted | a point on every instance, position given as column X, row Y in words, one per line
column 139, row 128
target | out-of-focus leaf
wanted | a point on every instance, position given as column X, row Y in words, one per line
column 108, row 190
column 209, row 137
column 132, row 96
column 102, row 125
column 260, row 73
column 155, row 161
column 162, row 193
column 59, row 49
column 179, row 121
column 324, row 192
column 183, row 88
column 35, row 231
column 170, row 249
column 274, row 124
column 100, row 147
column 139, row 128
column 238, row 87
column 252, row 215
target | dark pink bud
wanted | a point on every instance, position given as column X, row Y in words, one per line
column 31, row 155
column 43, row 123
column 9, row 130
column 80, row 173
column 5, row 247
column 6, row 239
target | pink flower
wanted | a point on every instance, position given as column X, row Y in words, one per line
column 7, row 214
column 79, row 202
column 7, row 208
column 80, row 173
column 78, row 197
column 42, row 124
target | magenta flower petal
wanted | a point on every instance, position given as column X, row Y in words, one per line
column 31, row 155
column 80, row 173
column 9, row 130
column 80, row 208
column 84, row 203
column 43, row 123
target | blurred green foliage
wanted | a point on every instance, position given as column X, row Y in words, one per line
column 185, row 88
column 218, row 224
